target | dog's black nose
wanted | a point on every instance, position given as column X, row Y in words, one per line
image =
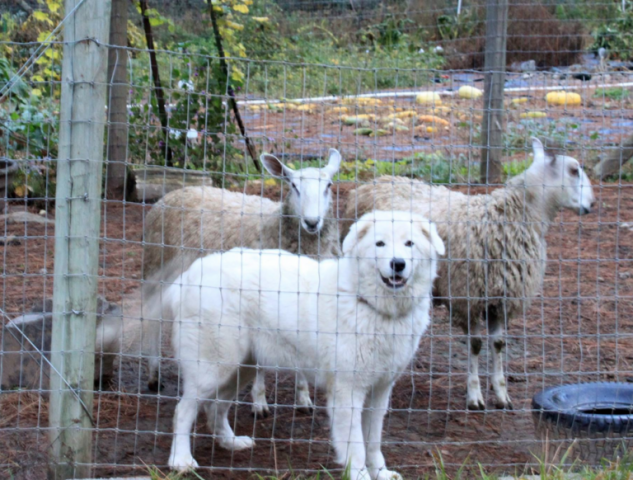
column 398, row 264
column 311, row 223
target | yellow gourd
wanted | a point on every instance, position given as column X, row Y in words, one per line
column 433, row 119
column 533, row 115
column 469, row 92
column 567, row 99
column 338, row 110
column 425, row 98
column 364, row 101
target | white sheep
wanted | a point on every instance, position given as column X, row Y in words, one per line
column 195, row 221
column 496, row 250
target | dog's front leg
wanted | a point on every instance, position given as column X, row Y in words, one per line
column 372, row 431
column 345, row 407
column 181, row 458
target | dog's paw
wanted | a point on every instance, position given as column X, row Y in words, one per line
column 384, row 474
column 182, row 463
column 237, row 443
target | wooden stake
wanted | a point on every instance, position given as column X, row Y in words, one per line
column 77, row 221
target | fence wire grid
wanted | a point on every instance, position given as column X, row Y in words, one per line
column 383, row 84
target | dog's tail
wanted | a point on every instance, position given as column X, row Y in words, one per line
column 143, row 330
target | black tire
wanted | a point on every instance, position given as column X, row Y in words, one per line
column 592, row 408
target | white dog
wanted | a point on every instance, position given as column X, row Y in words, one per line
column 350, row 325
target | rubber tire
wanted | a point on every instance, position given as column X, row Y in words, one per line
column 567, row 406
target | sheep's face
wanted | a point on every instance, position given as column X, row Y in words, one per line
column 311, row 189
column 576, row 192
column 565, row 177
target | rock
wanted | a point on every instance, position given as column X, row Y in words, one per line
column 24, row 217
column 625, row 275
column 43, row 213
column 527, row 66
column 10, row 240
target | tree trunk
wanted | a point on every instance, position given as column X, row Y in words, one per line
column 494, row 80
column 116, row 162
column 160, row 94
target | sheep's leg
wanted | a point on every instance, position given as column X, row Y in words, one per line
column 304, row 402
column 496, row 343
column 475, row 399
column 153, row 383
column 260, row 405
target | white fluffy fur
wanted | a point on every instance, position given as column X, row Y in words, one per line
column 336, row 321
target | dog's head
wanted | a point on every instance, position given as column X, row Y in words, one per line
column 396, row 253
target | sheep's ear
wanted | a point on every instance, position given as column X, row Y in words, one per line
column 436, row 240
column 334, row 162
column 356, row 233
column 274, row 166
column 537, row 148
column 541, row 155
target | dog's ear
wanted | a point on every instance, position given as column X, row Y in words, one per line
column 430, row 230
column 356, row 233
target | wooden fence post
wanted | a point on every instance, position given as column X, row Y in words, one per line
column 494, row 80
column 77, row 222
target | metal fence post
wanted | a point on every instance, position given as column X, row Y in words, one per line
column 77, row 205
column 494, row 80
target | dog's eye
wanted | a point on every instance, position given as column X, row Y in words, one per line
column 409, row 243
column 380, row 244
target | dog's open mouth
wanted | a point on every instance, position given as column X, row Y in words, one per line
column 394, row 282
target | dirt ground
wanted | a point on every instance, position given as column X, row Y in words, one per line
column 579, row 329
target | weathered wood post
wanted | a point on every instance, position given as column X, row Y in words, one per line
column 494, row 80
column 77, row 222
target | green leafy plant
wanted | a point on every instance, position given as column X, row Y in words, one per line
column 617, row 35
column 452, row 27
column 614, row 93
column 389, row 33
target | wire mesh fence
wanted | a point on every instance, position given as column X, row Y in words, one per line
column 395, row 87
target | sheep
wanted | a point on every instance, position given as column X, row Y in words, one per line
column 616, row 159
column 195, row 221
column 496, row 250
